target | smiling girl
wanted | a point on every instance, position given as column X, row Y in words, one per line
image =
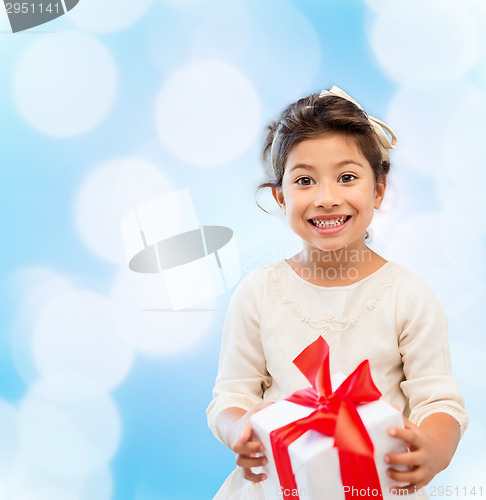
column 329, row 162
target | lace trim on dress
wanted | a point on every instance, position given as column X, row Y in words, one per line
column 329, row 324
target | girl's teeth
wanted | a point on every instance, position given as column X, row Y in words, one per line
column 329, row 223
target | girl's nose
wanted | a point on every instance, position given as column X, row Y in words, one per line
column 326, row 196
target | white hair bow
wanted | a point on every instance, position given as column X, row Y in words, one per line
column 378, row 126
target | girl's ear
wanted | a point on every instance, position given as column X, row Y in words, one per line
column 380, row 189
column 279, row 198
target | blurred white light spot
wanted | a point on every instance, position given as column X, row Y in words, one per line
column 375, row 4
column 69, row 440
column 207, row 113
column 463, row 150
column 177, row 2
column 28, row 482
column 460, row 293
column 8, row 439
column 98, row 486
column 464, row 477
column 458, row 194
column 435, row 241
column 107, row 194
column 468, row 352
column 4, row 27
column 143, row 312
column 27, row 491
column 108, row 15
column 74, row 337
column 36, row 287
column 68, row 387
column 466, row 315
column 169, row 28
column 424, row 40
column 284, row 55
column 65, row 83
column 415, row 244
column 470, row 473
column 224, row 32
column 419, row 115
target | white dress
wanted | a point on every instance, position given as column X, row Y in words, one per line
column 391, row 317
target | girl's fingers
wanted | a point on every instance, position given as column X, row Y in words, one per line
column 409, row 435
column 251, row 476
column 410, row 477
column 408, row 424
column 246, row 462
column 246, row 432
column 412, row 459
column 249, row 453
column 247, row 448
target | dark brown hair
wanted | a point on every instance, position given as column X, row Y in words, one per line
column 314, row 116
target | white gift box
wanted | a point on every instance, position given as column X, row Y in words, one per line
column 315, row 460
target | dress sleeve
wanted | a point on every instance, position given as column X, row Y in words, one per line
column 242, row 374
column 424, row 348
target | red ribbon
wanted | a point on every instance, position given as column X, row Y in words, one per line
column 335, row 415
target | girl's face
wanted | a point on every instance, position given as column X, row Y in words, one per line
column 329, row 193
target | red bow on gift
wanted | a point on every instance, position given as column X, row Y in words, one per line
column 335, row 415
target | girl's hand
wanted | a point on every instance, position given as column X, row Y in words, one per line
column 249, row 451
column 424, row 458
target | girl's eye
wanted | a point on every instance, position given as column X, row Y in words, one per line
column 347, row 178
column 304, row 181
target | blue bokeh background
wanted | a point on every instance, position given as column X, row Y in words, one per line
column 122, row 101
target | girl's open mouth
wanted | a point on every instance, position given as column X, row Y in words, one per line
column 329, row 226
column 328, row 223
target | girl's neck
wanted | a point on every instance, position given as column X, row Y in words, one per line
column 340, row 267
